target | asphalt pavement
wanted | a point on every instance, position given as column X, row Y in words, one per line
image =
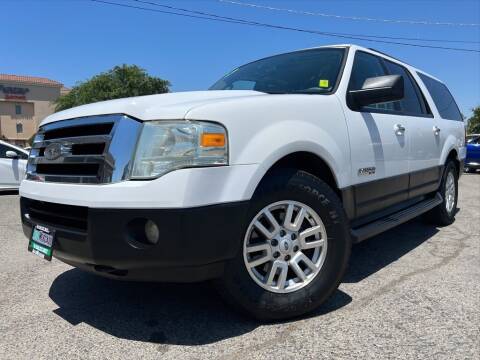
column 410, row 293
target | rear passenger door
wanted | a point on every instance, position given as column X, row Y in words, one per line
column 448, row 121
column 424, row 134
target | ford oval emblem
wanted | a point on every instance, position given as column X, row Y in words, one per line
column 53, row 151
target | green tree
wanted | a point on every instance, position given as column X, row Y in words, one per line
column 473, row 126
column 119, row 82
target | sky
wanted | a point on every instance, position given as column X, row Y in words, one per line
column 72, row 40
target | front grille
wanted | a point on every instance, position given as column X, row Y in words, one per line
column 82, row 170
column 79, row 130
column 89, row 150
column 57, row 215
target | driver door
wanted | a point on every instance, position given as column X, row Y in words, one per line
column 379, row 142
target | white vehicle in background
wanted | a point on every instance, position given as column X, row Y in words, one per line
column 13, row 161
column 261, row 184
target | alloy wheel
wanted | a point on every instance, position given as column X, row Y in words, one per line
column 450, row 192
column 285, row 246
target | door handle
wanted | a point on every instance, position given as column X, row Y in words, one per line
column 399, row 129
column 436, row 130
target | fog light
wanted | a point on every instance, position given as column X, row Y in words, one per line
column 151, row 232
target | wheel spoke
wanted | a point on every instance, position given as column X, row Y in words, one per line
column 303, row 258
column 295, row 265
column 299, row 219
column 273, row 221
column 310, row 232
column 258, row 247
column 297, row 223
column 259, row 261
column 282, row 278
column 288, row 216
column 262, row 259
column 297, row 269
column 268, row 234
column 311, row 244
column 278, row 266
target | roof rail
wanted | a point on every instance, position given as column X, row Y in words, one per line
column 383, row 53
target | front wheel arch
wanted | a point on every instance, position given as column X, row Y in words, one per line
column 303, row 161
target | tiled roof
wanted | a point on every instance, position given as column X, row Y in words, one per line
column 29, row 80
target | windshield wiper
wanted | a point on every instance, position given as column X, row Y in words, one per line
column 312, row 91
column 274, row 92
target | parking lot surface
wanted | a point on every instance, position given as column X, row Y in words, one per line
column 413, row 292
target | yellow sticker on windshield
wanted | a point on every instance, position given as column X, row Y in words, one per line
column 323, row 83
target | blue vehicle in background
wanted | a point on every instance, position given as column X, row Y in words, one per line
column 472, row 162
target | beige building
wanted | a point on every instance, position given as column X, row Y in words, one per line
column 24, row 102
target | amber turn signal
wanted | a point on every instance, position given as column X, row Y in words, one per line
column 212, row 140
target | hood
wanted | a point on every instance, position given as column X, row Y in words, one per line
column 170, row 106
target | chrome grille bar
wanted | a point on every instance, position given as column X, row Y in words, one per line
column 92, row 139
column 89, row 150
column 71, row 159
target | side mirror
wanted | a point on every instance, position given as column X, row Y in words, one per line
column 11, row 154
column 377, row 90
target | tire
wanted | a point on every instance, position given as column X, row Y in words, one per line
column 241, row 286
column 470, row 170
column 444, row 213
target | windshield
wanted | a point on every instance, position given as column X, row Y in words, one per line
column 310, row 71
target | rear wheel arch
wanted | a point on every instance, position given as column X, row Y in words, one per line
column 453, row 156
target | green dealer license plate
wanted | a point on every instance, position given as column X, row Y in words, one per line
column 41, row 242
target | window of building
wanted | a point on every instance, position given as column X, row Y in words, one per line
column 19, row 128
column 18, row 109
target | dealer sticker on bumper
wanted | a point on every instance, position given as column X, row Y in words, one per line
column 41, row 242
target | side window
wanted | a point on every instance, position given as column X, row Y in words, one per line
column 444, row 101
column 410, row 104
column 3, row 150
column 473, row 140
column 23, row 156
column 366, row 66
column 243, row 85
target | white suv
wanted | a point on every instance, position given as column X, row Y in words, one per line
column 262, row 183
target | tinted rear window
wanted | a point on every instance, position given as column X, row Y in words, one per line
column 446, row 105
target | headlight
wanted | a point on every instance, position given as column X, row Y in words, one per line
column 169, row 145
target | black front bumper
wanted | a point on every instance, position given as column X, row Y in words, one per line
column 193, row 246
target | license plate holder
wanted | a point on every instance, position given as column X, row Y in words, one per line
column 41, row 242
